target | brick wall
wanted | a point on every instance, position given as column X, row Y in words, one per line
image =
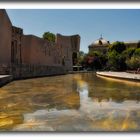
column 5, row 39
column 25, row 56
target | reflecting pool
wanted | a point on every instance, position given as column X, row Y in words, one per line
column 73, row 102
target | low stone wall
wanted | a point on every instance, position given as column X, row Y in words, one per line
column 30, row 71
column 120, row 75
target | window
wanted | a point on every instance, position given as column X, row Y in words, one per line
column 100, row 42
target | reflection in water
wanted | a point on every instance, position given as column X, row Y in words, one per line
column 78, row 102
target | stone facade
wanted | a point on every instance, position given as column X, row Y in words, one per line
column 132, row 44
column 5, row 42
column 26, row 56
column 99, row 45
column 69, row 46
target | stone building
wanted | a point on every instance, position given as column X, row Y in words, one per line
column 99, row 45
column 102, row 45
column 5, row 42
column 26, row 56
column 132, row 44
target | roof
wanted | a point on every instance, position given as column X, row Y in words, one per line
column 100, row 42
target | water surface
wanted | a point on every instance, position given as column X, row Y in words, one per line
column 74, row 102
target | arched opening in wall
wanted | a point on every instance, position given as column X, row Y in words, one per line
column 74, row 58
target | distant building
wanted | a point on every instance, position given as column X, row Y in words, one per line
column 99, row 45
column 29, row 56
column 102, row 45
column 132, row 44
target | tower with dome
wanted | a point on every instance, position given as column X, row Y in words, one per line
column 100, row 44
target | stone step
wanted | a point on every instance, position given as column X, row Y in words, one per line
column 120, row 75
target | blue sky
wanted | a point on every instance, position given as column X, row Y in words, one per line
column 114, row 25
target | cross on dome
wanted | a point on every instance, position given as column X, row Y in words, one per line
column 101, row 37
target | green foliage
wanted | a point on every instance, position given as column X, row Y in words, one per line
column 137, row 52
column 103, row 59
column 80, row 57
column 133, row 62
column 128, row 52
column 112, row 60
column 49, row 36
column 117, row 46
column 118, row 58
column 94, row 53
column 95, row 60
column 81, row 53
column 115, row 61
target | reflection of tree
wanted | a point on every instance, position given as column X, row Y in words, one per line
column 114, row 91
column 108, row 97
column 103, row 89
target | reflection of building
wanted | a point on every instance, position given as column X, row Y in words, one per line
column 99, row 45
column 29, row 56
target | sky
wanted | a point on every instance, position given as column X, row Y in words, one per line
column 114, row 25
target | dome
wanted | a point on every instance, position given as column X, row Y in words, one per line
column 100, row 42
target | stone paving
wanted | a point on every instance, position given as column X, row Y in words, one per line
column 120, row 75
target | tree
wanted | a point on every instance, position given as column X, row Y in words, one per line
column 95, row 60
column 137, row 52
column 49, row 36
column 128, row 53
column 117, row 46
column 103, row 60
column 80, row 57
column 134, row 62
column 116, row 61
column 94, row 53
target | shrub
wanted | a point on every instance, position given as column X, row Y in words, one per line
column 49, row 36
column 137, row 52
column 117, row 46
column 134, row 62
column 116, row 61
column 128, row 52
